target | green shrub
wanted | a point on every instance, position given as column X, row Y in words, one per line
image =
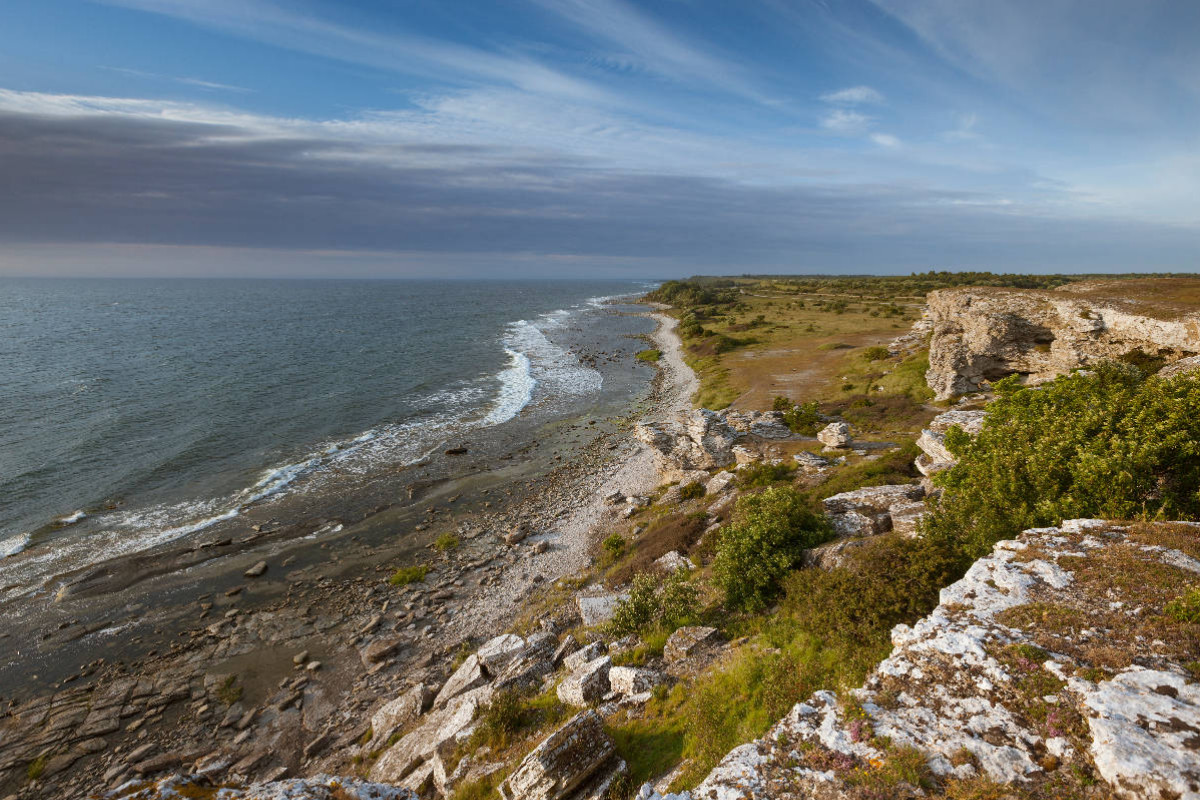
column 876, row 353
column 648, row 605
column 650, row 356
column 1111, row 443
column 1186, row 607
column 445, row 542
column 765, row 474
column 614, row 545
column 802, row 418
column 229, row 692
column 407, row 575
column 692, row 491
column 768, row 536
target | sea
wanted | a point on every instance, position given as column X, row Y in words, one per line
column 135, row 413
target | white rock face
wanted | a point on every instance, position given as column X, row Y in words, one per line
column 695, row 440
column 981, row 335
column 598, row 607
column 719, row 482
column 835, row 435
column 401, row 711
column 1020, row 697
column 470, row 675
column 868, row 511
column 437, row 727
column 498, row 652
column 672, row 562
column 633, row 680
column 587, row 685
column 932, row 440
column 566, row 761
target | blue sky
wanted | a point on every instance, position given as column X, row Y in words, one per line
column 598, row 137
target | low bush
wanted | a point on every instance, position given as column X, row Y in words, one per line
column 692, row 491
column 876, row 353
column 445, row 542
column 407, row 575
column 1109, row 443
column 802, row 418
column 768, row 536
column 654, row 602
column 765, row 474
column 1186, row 607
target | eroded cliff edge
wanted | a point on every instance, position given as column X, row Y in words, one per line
column 981, row 335
column 1057, row 652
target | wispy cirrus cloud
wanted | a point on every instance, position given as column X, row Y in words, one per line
column 854, row 95
column 197, row 82
column 842, row 121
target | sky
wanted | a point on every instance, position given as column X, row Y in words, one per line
column 592, row 138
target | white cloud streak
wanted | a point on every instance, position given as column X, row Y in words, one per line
column 855, row 95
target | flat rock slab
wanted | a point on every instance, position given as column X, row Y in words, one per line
column 563, row 762
column 596, row 609
column 687, row 642
column 587, row 685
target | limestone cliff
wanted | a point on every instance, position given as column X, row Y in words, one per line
column 1054, row 665
column 981, row 335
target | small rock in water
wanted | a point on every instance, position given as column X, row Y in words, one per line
column 257, row 570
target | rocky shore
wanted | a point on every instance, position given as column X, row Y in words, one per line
column 259, row 689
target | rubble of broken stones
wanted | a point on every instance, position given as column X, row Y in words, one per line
column 915, row 338
column 424, row 729
column 318, row 787
column 691, row 443
column 981, row 688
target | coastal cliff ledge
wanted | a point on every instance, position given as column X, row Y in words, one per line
column 981, row 335
column 1059, row 663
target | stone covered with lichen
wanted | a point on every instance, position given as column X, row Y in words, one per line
column 1064, row 664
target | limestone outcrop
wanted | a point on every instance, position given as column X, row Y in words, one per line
column 696, row 440
column 932, row 441
column 576, row 761
column 1055, row 662
column 982, row 335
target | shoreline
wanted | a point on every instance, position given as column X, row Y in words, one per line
column 371, row 640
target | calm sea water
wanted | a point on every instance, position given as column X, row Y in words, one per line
column 152, row 409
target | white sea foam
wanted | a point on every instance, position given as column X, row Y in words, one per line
column 13, row 545
column 71, row 519
column 516, row 389
column 537, row 371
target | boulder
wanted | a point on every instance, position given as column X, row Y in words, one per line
column 719, row 482
column 687, row 642
column 580, row 657
column 932, row 441
column 598, row 608
column 563, row 762
column 810, row 462
column 633, row 680
column 439, row 726
column 498, row 652
column 316, row 787
column 401, row 711
column 695, row 440
column 380, row 649
column 470, row 675
column 868, row 511
column 835, row 435
column 672, row 562
column 588, row 684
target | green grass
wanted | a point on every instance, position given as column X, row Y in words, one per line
column 229, row 692
column 36, row 768
column 407, row 575
column 649, row 356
